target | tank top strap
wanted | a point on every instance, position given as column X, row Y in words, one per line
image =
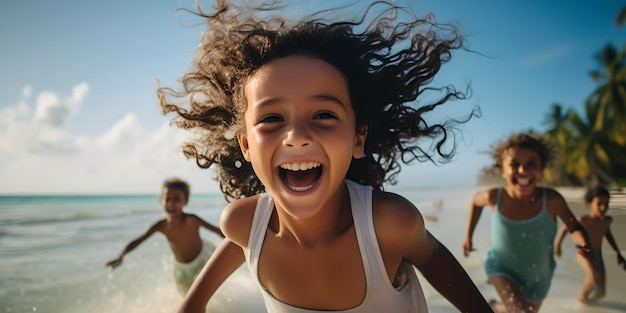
column 361, row 206
column 260, row 221
column 544, row 207
column 498, row 200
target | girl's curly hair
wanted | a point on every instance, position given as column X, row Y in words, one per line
column 530, row 141
column 387, row 66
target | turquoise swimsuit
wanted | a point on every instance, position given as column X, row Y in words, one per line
column 522, row 251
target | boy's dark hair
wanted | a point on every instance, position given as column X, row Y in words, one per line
column 534, row 142
column 596, row 191
column 384, row 80
column 179, row 184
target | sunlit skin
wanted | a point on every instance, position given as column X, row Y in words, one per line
column 520, row 200
column 300, row 117
column 597, row 224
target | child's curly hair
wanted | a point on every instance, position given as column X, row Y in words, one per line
column 384, row 80
column 177, row 183
column 596, row 191
column 534, row 142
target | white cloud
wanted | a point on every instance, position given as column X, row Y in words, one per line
column 26, row 91
column 546, row 56
column 50, row 111
column 39, row 153
column 78, row 94
column 11, row 116
column 123, row 134
column 43, row 130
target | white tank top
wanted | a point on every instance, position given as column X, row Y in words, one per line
column 380, row 296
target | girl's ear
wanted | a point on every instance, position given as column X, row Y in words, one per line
column 243, row 144
column 359, row 142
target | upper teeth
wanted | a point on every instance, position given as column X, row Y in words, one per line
column 300, row 166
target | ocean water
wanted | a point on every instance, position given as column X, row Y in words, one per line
column 53, row 250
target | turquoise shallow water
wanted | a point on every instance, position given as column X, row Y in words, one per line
column 53, row 250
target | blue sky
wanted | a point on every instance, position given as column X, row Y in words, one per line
column 79, row 114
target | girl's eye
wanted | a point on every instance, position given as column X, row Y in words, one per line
column 271, row 119
column 324, row 115
column 532, row 165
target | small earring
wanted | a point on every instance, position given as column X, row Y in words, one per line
column 238, row 164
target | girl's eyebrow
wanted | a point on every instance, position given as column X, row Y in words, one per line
column 324, row 97
column 321, row 97
column 267, row 102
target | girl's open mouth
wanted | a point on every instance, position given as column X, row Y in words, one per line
column 300, row 176
column 523, row 181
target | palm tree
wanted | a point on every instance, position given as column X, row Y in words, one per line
column 556, row 120
column 621, row 18
column 610, row 96
column 589, row 154
column 558, row 131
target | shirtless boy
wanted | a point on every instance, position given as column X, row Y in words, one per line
column 182, row 231
column 597, row 224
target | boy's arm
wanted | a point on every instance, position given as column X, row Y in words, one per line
column 559, row 240
column 224, row 261
column 620, row 259
column 133, row 244
column 209, row 226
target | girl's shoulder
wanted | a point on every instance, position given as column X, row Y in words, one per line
column 392, row 204
column 394, row 214
column 236, row 219
column 486, row 197
column 400, row 229
column 552, row 195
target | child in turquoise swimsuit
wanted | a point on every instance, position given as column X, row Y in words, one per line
column 520, row 263
column 597, row 224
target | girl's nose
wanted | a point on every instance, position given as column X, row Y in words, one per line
column 298, row 136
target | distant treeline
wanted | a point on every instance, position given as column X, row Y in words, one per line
column 591, row 144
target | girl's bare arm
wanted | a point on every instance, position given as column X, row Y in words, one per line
column 224, row 261
column 578, row 233
column 404, row 230
column 479, row 201
column 235, row 221
column 559, row 240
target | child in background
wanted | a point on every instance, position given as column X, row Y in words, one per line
column 520, row 263
column 598, row 225
column 182, row 231
column 305, row 121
